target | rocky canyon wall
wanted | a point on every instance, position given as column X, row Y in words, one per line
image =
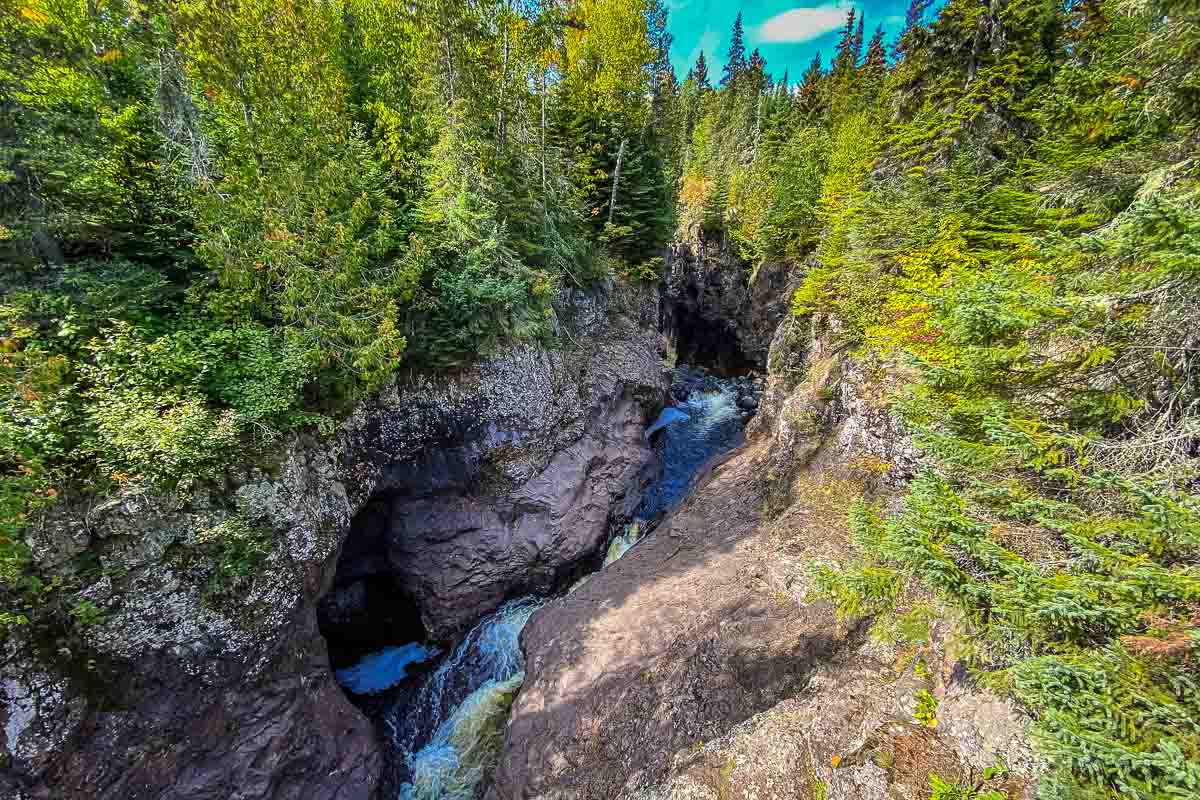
column 199, row 681
column 701, row 666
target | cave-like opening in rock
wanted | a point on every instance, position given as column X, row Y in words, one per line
column 366, row 610
column 703, row 340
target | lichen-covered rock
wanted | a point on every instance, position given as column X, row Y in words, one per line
column 819, row 408
column 200, row 679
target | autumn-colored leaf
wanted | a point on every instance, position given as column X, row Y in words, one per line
column 34, row 15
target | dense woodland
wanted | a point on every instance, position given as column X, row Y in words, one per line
column 221, row 221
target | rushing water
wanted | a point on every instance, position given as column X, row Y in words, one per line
column 450, row 729
column 447, row 723
column 710, row 424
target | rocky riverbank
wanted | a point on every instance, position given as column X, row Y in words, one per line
column 701, row 666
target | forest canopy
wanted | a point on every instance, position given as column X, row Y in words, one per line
column 222, row 220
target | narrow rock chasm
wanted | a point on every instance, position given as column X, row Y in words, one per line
column 366, row 609
column 710, row 341
column 424, row 633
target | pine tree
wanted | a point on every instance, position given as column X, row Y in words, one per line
column 756, row 68
column 876, row 62
column 699, row 73
column 856, row 46
column 736, row 63
column 913, row 22
column 845, row 60
column 915, row 15
column 809, row 95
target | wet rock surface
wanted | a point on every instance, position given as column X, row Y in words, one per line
column 747, row 389
column 196, row 684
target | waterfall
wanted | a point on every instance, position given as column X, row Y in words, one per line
column 711, row 425
column 465, row 747
column 620, row 544
column 707, row 424
column 669, row 415
column 451, row 729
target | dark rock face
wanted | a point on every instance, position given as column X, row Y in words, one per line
column 458, row 549
column 177, row 693
column 280, row 730
column 722, row 312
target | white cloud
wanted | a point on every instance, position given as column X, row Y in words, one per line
column 802, row 24
column 707, row 45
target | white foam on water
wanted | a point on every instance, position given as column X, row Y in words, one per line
column 466, row 741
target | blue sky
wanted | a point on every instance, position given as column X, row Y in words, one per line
column 786, row 32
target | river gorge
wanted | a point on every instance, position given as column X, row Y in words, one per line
column 572, row 572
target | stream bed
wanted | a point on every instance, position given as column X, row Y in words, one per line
column 444, row 712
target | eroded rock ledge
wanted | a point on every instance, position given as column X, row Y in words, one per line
column 184, row 692
column 699, row 667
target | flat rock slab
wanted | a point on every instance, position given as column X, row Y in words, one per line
column 669, row 647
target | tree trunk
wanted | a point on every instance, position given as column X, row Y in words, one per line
column 543, row 138
column 612, row 204
column 449, row 70
column 503, row 83
column 757, row 128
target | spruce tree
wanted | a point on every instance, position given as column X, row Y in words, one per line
column 809, row 100
column 737, row 54
column 856, row 47
column 845, row 60
column 699, row 73
column 756, row 68
column 913, row 21
column 876, row 62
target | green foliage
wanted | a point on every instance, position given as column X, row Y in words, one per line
column 858, row 591
column 926, row 711
column 221, row 222
column 941, row 789
column 85, row 613
column 1018, row 229
column 237, row 547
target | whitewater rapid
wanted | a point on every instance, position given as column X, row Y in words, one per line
column 449, row 725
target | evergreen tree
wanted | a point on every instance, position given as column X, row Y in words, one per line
column 810, row 101
column 756, row 69
column 736, row 61
column 856, row 46
column 914, row 20
column 699, row 73
column 915, row 16
column 845, row 61
column 876, row 60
